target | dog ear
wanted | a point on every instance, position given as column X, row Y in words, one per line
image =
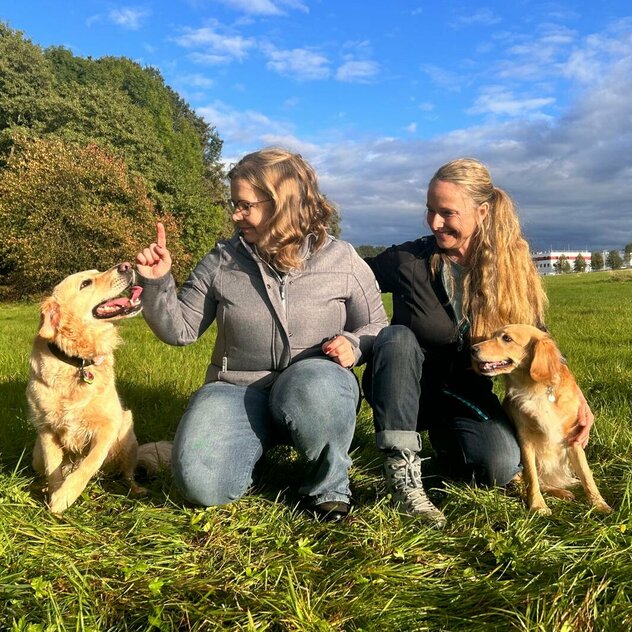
column 49, row 318
column 546, row 361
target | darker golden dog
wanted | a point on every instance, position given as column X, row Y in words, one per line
column 80, row 422
column 542, row 399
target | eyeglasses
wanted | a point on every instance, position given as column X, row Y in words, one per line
column 243, row 206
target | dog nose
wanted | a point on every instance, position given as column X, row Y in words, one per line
column 124, row 267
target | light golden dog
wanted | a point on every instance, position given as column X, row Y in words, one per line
column 542, row 399
column 80, row 422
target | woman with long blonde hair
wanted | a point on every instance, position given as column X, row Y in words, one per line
column 473, row 275
column 295, row 310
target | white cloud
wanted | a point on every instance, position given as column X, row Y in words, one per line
column 586, row 63
column 481, row 17
column 411, row 128
column 218, row 47
column 196, row 81
column 243, row 130
column 571, row 176
column 357, row 71
column 266, row 7
column 499, row 101
column 299, row 63
column 445, row 79
column 128, row 17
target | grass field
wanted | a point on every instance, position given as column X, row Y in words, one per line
column 117, row 563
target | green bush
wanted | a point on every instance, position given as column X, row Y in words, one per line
column 65, row 208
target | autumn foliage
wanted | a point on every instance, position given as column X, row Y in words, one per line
column 65, row 208
column 92, row 153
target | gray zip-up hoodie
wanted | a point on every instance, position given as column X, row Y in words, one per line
column 266, row 321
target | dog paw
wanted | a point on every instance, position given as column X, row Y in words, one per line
column 137, row 490
column 57, row 506
column 541, row 510
column 563, row 494
column 60, row 501
column 603, row 507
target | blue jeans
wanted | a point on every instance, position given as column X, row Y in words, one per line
column 227, row 428
column 472, row 447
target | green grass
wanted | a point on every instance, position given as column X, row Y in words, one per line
column 117, row 563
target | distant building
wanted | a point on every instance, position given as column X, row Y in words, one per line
column 545, row 261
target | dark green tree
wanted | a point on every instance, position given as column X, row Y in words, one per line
column 596, row 261
column 130, row 113
column 369, row 251
column 628, row 254
column 65, row 208
column 562, row 265
column 614, row 260
column 580, row 264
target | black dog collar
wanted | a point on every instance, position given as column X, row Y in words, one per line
column 80, row 363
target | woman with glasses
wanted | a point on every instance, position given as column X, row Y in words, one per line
column 473, row 275
column 295, row 310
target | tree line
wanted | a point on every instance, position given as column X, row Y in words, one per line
column 92, row 153
column 613, row 259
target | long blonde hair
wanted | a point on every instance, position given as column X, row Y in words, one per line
column 502, row 285
column 300, row 209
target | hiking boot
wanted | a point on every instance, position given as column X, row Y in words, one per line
column 402, row 471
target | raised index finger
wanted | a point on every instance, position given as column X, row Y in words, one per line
column 161, row 238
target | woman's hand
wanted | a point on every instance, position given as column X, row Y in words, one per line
column 340, row 350
column 580, row 432
column 155, row 261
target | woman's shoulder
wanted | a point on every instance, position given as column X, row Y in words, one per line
column 338, row 245
column 221, row 253
column 225, row 248
column 420, row 248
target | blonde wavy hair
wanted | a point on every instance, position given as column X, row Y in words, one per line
column 300, row 209
column 501, row 285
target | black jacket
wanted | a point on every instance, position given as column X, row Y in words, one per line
column 421, row 303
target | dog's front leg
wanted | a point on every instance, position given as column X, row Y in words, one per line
column 128, row 453
column 535, row 500
column 48, row 457
column 580, row 465
column 76, row 482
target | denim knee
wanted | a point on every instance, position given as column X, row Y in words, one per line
column 204, row 484
column 218, row 442
column 315, row 401
column 498, row 469
column 480, row 452
column 397, row 341
column 392, row 385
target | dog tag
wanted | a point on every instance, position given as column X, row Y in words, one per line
column 550, row 395
column 86, row 376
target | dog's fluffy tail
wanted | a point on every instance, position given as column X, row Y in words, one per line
column 155, row 457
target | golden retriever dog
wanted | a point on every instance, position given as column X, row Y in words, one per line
column 542, row 399
column 80, row 422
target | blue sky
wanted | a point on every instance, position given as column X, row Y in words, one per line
column 378, row 94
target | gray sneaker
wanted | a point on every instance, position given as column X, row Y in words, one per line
column 402, row 470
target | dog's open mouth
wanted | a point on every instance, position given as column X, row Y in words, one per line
column 497, row 366
column 122, row 306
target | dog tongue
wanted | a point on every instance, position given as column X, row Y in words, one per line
column 124, row 301
column 118, row 302
column 137, row 290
